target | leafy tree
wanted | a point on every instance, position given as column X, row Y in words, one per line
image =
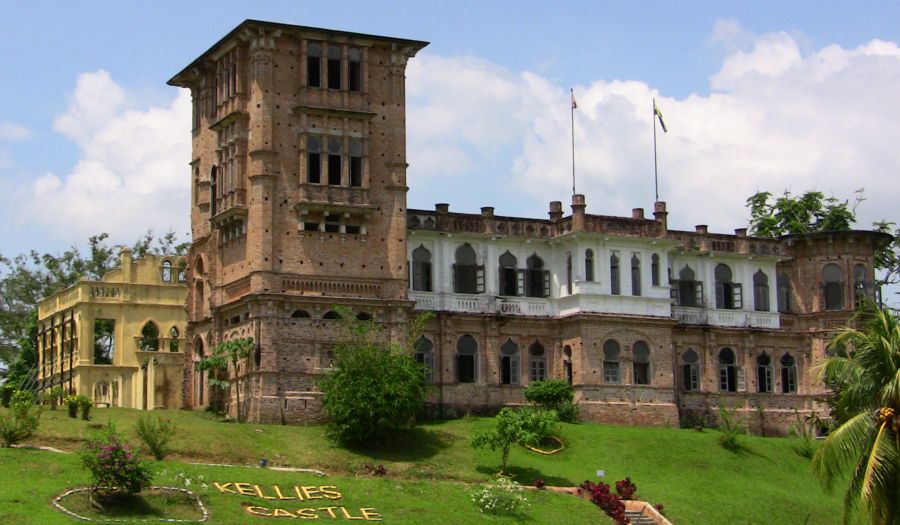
column 375, row 388
column 231, row 352
column 554, row 394
column 865, row 380
column 810, row 212
column 525, row 426
column 888, row 258
column 166, row 245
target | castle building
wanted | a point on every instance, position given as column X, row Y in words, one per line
column 299, row 204
column 118, row 341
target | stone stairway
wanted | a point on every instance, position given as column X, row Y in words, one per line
column 639, row 518
column 642, row 513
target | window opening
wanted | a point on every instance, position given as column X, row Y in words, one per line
column 537, row 366
column 727, row 371
column 785, row 303
column 212, row 191
column 567, row 363
column 728, row 293
column 764, row 374
column 331, row 314
column 788, row 374
column 425, row 356
column 635, row 275
column 614, row 286
column 509, row 275
column 313, row 65
column 569, row 273
column 421, row 269
column 300, row 314
column 356, row 164
column 104, row 341
column 537, row 280
column 334, row 162
column 654, row 269
column 833, row 279
column 509, row 363
column 314, row 160
column 761, row 291
column 611, row 361
column 354, row 80
column 641, row 363
column 466, row 351
column 860, row 284
column 689, row 291
column 589, row 265
column 334, row 67
column 468, row 276
column 690, row 371
column 149, row 341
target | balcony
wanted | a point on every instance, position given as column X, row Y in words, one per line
column 728, row 318
column 334, row 195
column 482, row 304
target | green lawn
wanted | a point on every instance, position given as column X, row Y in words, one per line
column 698, row 481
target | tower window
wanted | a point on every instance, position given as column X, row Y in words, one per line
column 635, row 275
column 614, row 287
column 509, row 275
column 611, row 361
column 356, row 164
column 334, row 67
column 833, row 287
column 354, row 79
column 334, row 162
column 313, row 65
column 314, row 160
column 589, row 265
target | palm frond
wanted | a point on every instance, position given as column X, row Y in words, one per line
column 843, row 447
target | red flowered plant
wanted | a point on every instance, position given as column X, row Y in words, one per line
column 610, row 503
column 539, row 484
column 114, row 465
column 625, row 488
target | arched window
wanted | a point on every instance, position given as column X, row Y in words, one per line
column 860, row 284
column 537, row 280
column 785, row 303
column 213, row 176
column 788, row 374
column 466, row 353
column 761, row 291
column 764, row 374
column 300, row 314
column 363, row 316
column 509, row 275
column 635, row 275
column 640, row 363
column 149, row 341
column 567, row 363
column 331, row 314
column 727, row 370
column 182, row 271
column 614, row 286
column 537, row 362
column 690, row 371
column 833, row 287
column 314, row 160
column 173, row 339
column 425, row 355
column 468, row 276
column 729, row 295
column 421, row 269
column 589, row 265
column 509, row 363
column 690, row 291
column 167, row 271
column 200, row 376
column 654, row 269
column 611, row 361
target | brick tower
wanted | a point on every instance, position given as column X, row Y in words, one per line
column 298, row 203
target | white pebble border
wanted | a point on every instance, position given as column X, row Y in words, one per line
column 278, row 469
column 190, row 494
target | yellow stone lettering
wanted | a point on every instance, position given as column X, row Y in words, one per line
column 224, row 488
column 307, row 514
column 370, row 515
column 310, row 491
column 280, row 495
column 281, row 513
column 259, row 511
column 330, row 492
column 245, row 489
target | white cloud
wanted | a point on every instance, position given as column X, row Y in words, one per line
column 777, row 118
column 13, row 131
column 132, row 173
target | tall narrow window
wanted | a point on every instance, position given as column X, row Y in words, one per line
column 466, row 352
column 425, row 356
column 468, row 276
column 173, row 339
column 764, row 374
column 860, row 284
column 690, row 371
column 212, row 191
column 833, row 287
column 611, row 361
column 509, row 275
column 314, row 160
column 313, row 65
column 654, row 270
column 354, row 80
column 788, row 374
column 614, row 287
column 569, row 273
column 641, row 363
column 728, row 294
column 334, row 67
column 785, row 301
column 167, row 271
column 356, row 164
column 149, row 341
column 689, row 290
column 182, row 271
column 104, row 341
column 761, row 291
column 334, row 162
column 537, row 362
column 567, row 364
column 421, row 270
column 589, row 265
column 635, row 275
column 727, row 370
column 537, row 280
column 509, row 363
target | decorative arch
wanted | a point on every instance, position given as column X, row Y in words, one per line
column 764, row 374
column 466, row 359
column 690, row 371
column 421, row 270
column 611, row 351
column 149, row 341
column 537, row 362
column 640, row 352
column 727, row 370
column 509, row 363
column 425, row 356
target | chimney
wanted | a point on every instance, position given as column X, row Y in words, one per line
column 442, row 207
column 578, row 207
column 740, row 232
column 701, row 229
column 637, row 213
column 556, row 212
column 661, row 216
column 487, row 211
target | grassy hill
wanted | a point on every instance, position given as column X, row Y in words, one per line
column 428, row 478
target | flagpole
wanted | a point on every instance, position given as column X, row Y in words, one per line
column 655, row 168
column 572, row 120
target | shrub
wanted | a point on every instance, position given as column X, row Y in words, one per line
column 610, row 503
column 804, row 430
column 502, row 496
column 730, row 428
column 22, row 397
column 72, row 402
column 21, row 423
column 526, row 426
column 625, row 488
column 114, row 467
column 85, row 404
column 375, row 390
column 554, row 394
column 155, row 433
column 6, row 393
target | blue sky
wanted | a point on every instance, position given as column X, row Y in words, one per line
column 757, row 95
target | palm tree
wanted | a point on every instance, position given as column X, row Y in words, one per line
column 865, row 380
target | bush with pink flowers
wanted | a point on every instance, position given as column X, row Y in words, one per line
column 610, row 503
column 115, row 467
